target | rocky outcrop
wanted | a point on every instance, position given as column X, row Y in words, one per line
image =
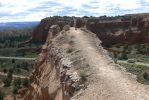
column 134, row 31
column 62, row 67
column 40, row 33
column 74, row 66
column 57, row 75
column 121, row 29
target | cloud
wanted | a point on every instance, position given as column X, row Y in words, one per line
column 35, row 10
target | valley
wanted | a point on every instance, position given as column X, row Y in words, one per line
column 16, row 60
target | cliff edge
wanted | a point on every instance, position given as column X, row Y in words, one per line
column 74, row 66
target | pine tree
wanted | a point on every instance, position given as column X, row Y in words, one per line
column 1, row 95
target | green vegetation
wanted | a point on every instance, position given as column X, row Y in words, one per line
column 1, row 95
column 139, row 52
column 143, row 77
column 19, row 67
column 10, row 41
column 141, row 71
column 10, row 45
column 16, row 85
column 8, row 79
column 25, row 82
column 83, row 75
column 15, row 90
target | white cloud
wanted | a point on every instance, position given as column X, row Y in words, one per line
column 28, row 10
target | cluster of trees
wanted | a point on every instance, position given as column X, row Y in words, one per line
column 23, row 65
column 12, row 41
column 1, row 95
column 11, row 36
column 18, row 66
column 8, row 79
column 142, row 49
column 123, row 55
column 16, row 82
column 9, row 31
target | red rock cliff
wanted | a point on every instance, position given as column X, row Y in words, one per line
column 56, row 75
column 124, row 29
column 59, row 72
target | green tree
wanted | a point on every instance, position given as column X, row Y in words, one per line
column 25, row 65
column 7, row 82
column 9, row 74
column 18, row 70
column 125, row 47
column 15, row 90
column 25, row 82
column 5, row 70
column 10, row 71
column 13, row 61
column 17, row 82
column 1, row 95
column 124, row 56
column 145, row 76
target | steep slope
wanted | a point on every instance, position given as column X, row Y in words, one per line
column 56, row 75
column 107, row 81
column 110, row 30
column 134, row 30
column 73, row 65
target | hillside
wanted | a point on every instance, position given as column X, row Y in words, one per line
column 110, row 30
column 73, row 64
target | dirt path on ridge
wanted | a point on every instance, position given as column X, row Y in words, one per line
column 107, row 82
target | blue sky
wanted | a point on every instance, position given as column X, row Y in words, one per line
column 35, row 10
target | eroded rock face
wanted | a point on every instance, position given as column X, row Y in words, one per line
column 56, row 76
column 41, row 32
column 121, row 32
column 45, row 81
column 125, row 29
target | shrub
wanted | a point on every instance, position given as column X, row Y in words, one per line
column 5, row 70
column 15, row 90
column 143, row 77
column 9, row 74
column 25, row 82
column 83, row 76
column 69, row 50
column 10, row 71
column 124, row 56
column 18, row 70
column 17, row 83
column 118, row 45
column 13, row 61
column 7, row 81
column 1, row 95
column 25, row 65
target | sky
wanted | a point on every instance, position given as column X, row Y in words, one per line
column 35, row 10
